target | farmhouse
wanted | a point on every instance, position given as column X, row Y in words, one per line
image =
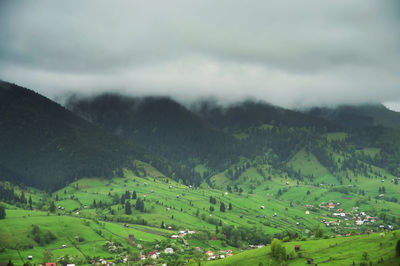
column 152, row 255
column 297, row 248
column 209, row 253
column 169, row 250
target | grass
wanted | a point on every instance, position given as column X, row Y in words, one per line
column 333, row 251
column 191, row 210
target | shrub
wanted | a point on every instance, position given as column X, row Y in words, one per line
column 278, row 251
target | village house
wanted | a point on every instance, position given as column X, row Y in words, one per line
column 152, row 255
column 169, row 250
column 209, row 253
column 359, row 222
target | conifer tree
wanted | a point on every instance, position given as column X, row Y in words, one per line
column 128, row 209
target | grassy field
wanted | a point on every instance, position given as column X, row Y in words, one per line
column 289, row 207
column 334, row 251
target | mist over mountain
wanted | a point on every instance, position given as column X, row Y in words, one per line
column 282, row 52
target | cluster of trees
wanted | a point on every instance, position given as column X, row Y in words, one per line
column 42, row 237
column 126, row 196
column 7, row 194
column 139, row 205
column 213, row 200
column 239, row 236
column 237, row 171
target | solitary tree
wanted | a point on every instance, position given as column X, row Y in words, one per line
column 30, row 202
column 52, row 207
column 222, row 207
column 23, row 199
column 319, row 232
column 128, row 209
column 2, row 212
column 47, row 255
column 398, row 248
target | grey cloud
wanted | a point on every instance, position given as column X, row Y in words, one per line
column 290, row 53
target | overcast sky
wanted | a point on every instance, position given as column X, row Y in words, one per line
column 289, row 53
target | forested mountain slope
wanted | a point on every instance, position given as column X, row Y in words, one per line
column 359, row 116
column 218, row 139
column 44, row 145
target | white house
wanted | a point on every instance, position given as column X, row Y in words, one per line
column 169, row 250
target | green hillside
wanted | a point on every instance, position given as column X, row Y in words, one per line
column 91, row 211
column 349, row 250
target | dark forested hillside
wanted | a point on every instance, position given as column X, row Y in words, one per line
column 44, row 145
column 165, row 127
column 218, row 137
column 358, row 116
column 252, row 114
